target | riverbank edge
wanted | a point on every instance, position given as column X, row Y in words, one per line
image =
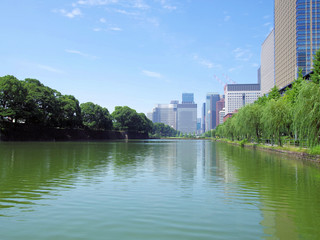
column 27, row 134
column 298, row 153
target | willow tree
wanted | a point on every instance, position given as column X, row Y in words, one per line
column 315, row 77
column 307, row 113
column 276, row 118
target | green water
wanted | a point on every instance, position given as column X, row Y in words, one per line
column 164, row 189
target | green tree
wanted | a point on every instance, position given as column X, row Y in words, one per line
column 125, row 118
column 41, row 103
column 274, row 93
column 307, row 113
column 277, row 119
column 70, row 112
column 95, row 117
column 315, row 76
column 12, row 99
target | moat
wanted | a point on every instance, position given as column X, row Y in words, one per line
column 155, row 189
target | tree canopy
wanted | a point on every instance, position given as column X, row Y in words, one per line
column 295, row 114
column 95, row 117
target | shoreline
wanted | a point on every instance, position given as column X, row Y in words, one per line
column 281, row 150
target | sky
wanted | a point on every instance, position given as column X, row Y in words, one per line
column 135, row 53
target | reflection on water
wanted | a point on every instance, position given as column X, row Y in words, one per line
column 157, row 189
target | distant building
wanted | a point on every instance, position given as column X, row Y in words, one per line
column 222, row 113
column 267, row 64
column 238, row 95
column 187, row 118
column 211, row 100
column 165, row 113
column 203, row 118
column 259, row 75
column 182, row 117
column 149, row 115
column 219, row 106
column 187, row 98
column 228, row 115
column 199, row 126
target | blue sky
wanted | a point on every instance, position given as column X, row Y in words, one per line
column 133, row 52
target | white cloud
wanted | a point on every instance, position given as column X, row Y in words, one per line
column 267, row 24
column 75, row 12
column 242, row 54
column 102, row 20
column 124, row 12
column 80, row 53
column 235, row 68
column 206, row 63
column 151, row 74
column 155, row 22
column 266, row 16
column 115, row 29
column 166, row 5
column 255, row 65
column 48, row 68
column 96, row 2
column 140, row 4
column 227, row 18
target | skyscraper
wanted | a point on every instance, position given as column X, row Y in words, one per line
column 203, row 122
column 187, row 98
column 297, row 38
column 219, row 106
column 211, row 100
column 165, row 113
column 267, row 64
column 187, row 114
column 182, row 117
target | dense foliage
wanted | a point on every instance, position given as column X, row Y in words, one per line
column 31, row 103
column 95, row 116
column 125, row 118
column 163, row 130
column 274, row 118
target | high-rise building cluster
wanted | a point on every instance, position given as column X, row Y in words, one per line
column 291, row 44
column 180, row 116
column 287, row 49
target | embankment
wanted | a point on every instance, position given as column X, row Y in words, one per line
column 291, row 151
column 24, row 133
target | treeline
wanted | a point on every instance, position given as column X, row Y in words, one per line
column 294, row 115
column 31, row 103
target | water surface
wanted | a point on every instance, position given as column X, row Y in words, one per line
column 157, row 189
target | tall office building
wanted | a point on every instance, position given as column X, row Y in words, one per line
column 187, row 98
column 203, row 118
column 166, row 113
column 239, row 95
column 267, row 64
column 297, row 38
column 187, row 114
column 219, row 106
column 259, row 75
column 211, row 100
column 182, row 117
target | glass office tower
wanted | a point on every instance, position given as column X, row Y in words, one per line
column 308, row 32
column 187, row 98
column 297, row 35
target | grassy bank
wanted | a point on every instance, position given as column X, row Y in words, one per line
column 312, row 154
